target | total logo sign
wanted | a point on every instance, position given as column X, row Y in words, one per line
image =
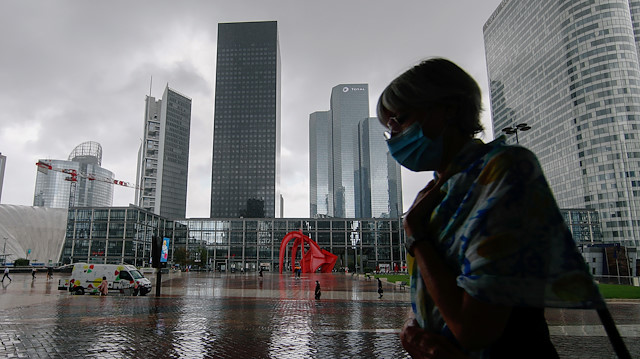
column 347, row 89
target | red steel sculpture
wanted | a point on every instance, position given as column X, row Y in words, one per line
column 313, row 259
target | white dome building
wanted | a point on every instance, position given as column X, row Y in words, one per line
column 35, row 233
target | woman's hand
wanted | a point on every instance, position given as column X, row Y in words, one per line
column 420, row 343
column 420, row 211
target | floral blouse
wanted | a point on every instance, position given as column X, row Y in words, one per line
column 501, row 232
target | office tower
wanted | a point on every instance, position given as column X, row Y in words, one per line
column 320, row 168
column 351, row 172
column 3, row 161
column 163, row 157
column 349, row 106
column 245, row 173
column 379, row 174
column 80, row 181
column 570, row 71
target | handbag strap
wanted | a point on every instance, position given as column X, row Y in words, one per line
column 614, row 336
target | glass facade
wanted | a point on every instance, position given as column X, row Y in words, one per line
column 91, row 186
column 380, row 179
column 3, row 161
column 116, row 235
column 570, row 70
column 350, row 169
column 235, row 244
column 584, row 225
column 320, row 169
column 123, row 235
column 349, row 106
column 163, row 158
column 246, row 136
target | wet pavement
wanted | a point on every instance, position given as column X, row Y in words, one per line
column 213, row 315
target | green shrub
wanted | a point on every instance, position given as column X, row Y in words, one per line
column 21, row 262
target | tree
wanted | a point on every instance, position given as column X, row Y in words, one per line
column 21, row 262
column 181, row 256
column 204, row 256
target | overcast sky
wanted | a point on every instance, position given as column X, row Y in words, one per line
column 75, row 71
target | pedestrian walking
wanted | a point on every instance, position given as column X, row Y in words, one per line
column 6, row 274
column 33, row 272
column 318, row 292
column 487, row 246
column 49, row 273
column 103, row 288
column 380, row 291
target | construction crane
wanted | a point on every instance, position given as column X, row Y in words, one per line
column 44, row 167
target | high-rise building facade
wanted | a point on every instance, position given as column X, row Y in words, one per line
column 320, row 168
column 245, row 176
column 163, row 157
column 3, row 162
column 351, row 172
column 379, row 174
column 57, row 189
column 570, row 70
column 349, row 106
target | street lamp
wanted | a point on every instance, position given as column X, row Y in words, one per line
column 519, row 127
column 4, row 252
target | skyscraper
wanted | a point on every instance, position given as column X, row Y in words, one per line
column 55, row 189
column 245, row 174
column 351, row 172
column 3, row 161
column 570, row 71
column 379, row 174
column 320, row 168
column 163, row 157
column 349, row 106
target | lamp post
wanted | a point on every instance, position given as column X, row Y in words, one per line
column 4, row 252
column 519, row 127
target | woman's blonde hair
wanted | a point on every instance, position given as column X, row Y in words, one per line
column 435, row 82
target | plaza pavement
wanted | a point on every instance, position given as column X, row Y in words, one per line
column 214, row 315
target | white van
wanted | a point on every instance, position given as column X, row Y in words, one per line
column 85, row 278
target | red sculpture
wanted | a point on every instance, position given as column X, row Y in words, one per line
column 312, row 259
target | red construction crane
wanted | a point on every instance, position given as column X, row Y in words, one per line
column 73, row 175
column 73, row 178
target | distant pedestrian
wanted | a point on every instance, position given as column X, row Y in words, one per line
column 380, row 291
column 260, row 272
column 318, row 292
column 297, row 271
column 49, row 273
column 136, row 289
column 33, row 272
column 6, row 274
column 103, row 288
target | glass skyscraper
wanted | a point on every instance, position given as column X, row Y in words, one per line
column 351, row 172
column 3, row 161
column 349, row 106
column 54, row 188
column 246, row 137
column 379, row 174
column 163, row 158
column 569, row 69
column 320, row 168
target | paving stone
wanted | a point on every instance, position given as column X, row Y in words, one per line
column 207, row 315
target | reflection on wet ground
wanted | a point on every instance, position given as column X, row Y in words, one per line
column 213, row 315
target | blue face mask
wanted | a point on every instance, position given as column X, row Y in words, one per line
column 413, row 150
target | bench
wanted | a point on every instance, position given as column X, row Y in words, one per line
column 402, row 284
